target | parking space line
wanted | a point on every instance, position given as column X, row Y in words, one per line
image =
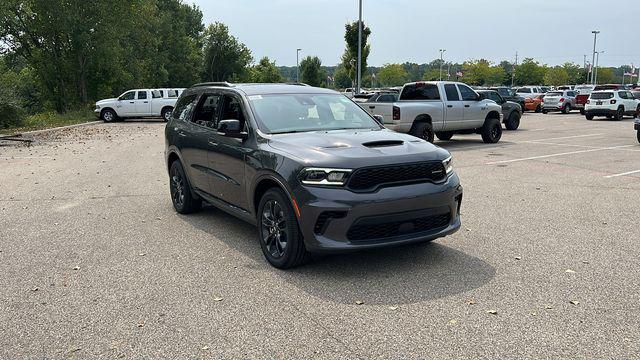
column 566, row 137
column 554, row 155
column 622, row 174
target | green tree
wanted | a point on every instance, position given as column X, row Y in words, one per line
column 350, row 56
column 530, row 72
column 341, row 78
column 607, row 76
column 481, row 72
column 311, row 72
column 392, row 75
column 556, row 76
column 575, row 73
column 225, row 58
column 265, row 72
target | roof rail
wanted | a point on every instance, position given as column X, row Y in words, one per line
column 214, row 83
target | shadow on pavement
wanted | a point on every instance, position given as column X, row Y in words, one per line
column 406, row 274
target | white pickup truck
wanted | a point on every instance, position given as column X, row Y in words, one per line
column 440, row 108
column 138, row 103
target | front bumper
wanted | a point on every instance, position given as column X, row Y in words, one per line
column 402, row 206
column 97, row 112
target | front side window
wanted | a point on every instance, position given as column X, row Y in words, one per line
column 284, row 113
column 420, row 91
column 467, row 93
column 452, row 92
column 128, row 95
column 142, row 95
column 184, row 107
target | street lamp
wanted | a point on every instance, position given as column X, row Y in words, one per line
column 441, row 61
column 593, row 58
column 595, row 80
column 298, row 65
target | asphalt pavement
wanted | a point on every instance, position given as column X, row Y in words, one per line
column 95, row 263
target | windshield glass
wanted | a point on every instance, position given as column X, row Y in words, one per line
column 601, row 96
column 284, row 113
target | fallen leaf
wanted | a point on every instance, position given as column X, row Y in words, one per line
column 574, row 302
column 548, row 307
column 35, row 289
column 217, row 299
column 492, row 312
column 534, row 314
column 359, row 302
column 76, row 268
column 205, row 348
column 453, row 322
column 518, row 257
column 585, row 262
column 569, row 271
column 142, row 254
column 393, row 308
column 471, row 301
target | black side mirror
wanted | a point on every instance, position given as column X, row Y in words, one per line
column 379, row 119
column 231, row 128
column 480, row 97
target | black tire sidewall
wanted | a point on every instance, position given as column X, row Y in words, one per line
column 190, row 204
column 420, row 130
column 487, row 135
column 164, row 112
column 514, row 121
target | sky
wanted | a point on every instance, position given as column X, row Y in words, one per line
column 551, row 31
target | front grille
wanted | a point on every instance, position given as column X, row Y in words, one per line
column 370, row 178
column 364, row 231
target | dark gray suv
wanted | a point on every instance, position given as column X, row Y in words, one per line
column 309, row 167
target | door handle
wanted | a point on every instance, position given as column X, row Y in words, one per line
column 131, row 102
column 182, row 133
column 146, row 102
column 466, row 106
column 449, row 106
column 372, row 107
column 212, row 142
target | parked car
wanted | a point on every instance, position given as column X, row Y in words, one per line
column 611, row 103
column 529, row 91
column 138, row 103
column 442, row 109
column 509, row 94
column 383, row 96
column 559, row 101
column 534, row 103
column 310, row 168
column 636, row 125
column 583, row 92
column 566, row 87
column 511, row 112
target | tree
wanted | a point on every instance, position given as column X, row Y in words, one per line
column 225, row 58
column 481, row 72
column 530, row 72
column 392, row 75
column 575, row 73
column 556, row 76
column 311, row 72
column 265, row 72
column 350, row 56
column 341, row 78
column 606, row 76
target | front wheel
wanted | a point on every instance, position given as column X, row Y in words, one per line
column 581, row 111
column 545, row 111
column 491, row 131
column 183, row 200
column 538, row 108
column 108, row 115
column 424, row 131
column 278, row 231
column 566, row 109
column 444, row 135
column 619, row 114
column 166, row 113
column 513, row 122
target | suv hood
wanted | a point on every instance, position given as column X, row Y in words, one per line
column 355, row 148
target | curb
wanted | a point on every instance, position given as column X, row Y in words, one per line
column 35, row 132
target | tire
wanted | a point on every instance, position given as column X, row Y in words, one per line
column 638, row 135
column 424, row 131
column 538, row 109
column 166, row 113
column 545, row 112
column 513, row 122
column 619, row 114
column 566, row 109
column 181, row 195
column 589, row 117
column 491, row 131
column 444, row 135
column 108, row 115
column 277, row 221
column 581, row 111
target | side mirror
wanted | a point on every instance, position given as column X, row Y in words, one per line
column 480, row 97
column 379, row 119
column 231, row 128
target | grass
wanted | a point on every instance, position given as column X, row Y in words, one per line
column 52, row 119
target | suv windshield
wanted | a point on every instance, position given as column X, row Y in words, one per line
column 285, row 113
column 602, row 96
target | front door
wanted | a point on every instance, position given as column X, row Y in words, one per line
column 474, row 108
column 127, row 104
column 454, row 108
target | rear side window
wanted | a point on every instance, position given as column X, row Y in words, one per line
column 602, row 96
column 172, row 93
column 420, row 91
column 155, row 94
column 184, row 107
column 452, row 92
column 142, row 95
column 386, row 98
column 466, row 93
column 524, row 90
column 571, row 93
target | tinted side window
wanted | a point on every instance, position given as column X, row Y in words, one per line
column 172, row 93
column 524, row 90
column 467, row 93
column 622, row 94
column 142, row 95
column 128, row 96
column 452, row 92
column 184, row 107
column 156, row 94
column 232, row 109
column 420, row 92
column 208, row 112
column 386, row 98
column 503, row 92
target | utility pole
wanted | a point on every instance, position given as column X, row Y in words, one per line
column 595, row 70
column 358, row 80
column 298, row 65
column 513, row 71
column 593, row 58
column 449, row 71
column 441, row 61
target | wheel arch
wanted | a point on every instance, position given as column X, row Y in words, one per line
column 422, row 118
column 263, row 184
column 108, row 108
column 493, row 114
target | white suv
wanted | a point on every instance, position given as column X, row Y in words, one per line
column 611, row 103
column 529, row 91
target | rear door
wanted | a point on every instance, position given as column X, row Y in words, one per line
column 454, row 108
column 473, row 108
column 143, row 103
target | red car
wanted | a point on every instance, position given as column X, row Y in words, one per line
column 534, row 104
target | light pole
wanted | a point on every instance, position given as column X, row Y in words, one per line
column 595, row 74
column 358, row 80
column 441, row 60
column 298, row 65
column 593, row 58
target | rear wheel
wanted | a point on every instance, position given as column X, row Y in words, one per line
column 545, row 111
column 538, row 108
column 444, row 135
column 589, row 117
column 491, row 131
column 278, row 231
column 181, row 196
column 166, row 113
column 513, row 122
column 424, row 131
column 619, row 114
column 566, row 109
column 581, row 111
column 638, row 135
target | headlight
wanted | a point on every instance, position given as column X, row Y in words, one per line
column 325, row 176
column 97, row 107
column 448, row 165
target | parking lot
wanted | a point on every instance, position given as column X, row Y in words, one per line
column 95, row 263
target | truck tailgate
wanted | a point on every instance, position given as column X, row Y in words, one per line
column 384, row 109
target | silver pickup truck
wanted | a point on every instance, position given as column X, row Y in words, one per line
column 440, row 108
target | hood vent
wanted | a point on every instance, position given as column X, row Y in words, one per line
column 383, row 143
